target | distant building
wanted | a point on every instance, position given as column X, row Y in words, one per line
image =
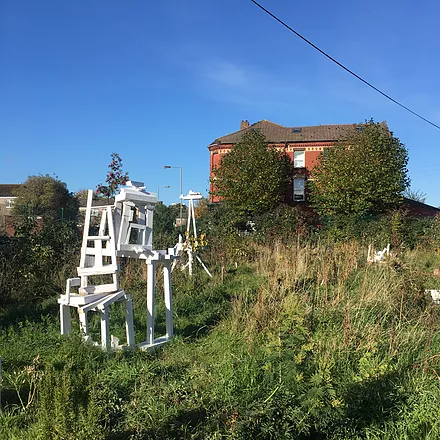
column 6, row 203
column 302, row 144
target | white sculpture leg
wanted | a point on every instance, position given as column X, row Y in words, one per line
column 83, row 324
column 150, row 302
column 129, row 321
column 66, row 319
column 168, row 299
column 203, row 265
column 190, row 261
column 105, row 330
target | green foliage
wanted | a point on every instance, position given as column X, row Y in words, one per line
column 35, row 264
column 44, row 196
column 417, row 195
column 284, row 223
column 363, row 174
column 253, row 177
column 165, row 234
column 301, row 340
column 396, row 227
column 115, row 178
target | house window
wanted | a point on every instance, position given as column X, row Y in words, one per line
column 9, row 203
column 299, row 159
column 299, row 193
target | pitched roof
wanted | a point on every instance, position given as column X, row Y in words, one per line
column 277, row 133
column 421, row 207
column 7, row 189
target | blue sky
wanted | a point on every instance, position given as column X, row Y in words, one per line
column 158, row 81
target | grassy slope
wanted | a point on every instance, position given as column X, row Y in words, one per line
column 299, row 343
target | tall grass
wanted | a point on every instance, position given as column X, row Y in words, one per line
column 301, row 341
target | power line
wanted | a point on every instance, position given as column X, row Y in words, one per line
column 341, row 65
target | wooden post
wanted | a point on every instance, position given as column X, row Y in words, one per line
column 83, row 324
column 105, row 329
column 150, row 301
column 66, row 319
column 129, row 321
column 168, row 298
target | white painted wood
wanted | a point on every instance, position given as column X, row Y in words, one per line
column 105, row 270
column 86, row 227
column 168, row 299
column 377, row 256
column 129, row 327
column 158, row 342
column 435, row 295
column 189, row 247
column 77, row 300
column 150, row 301
column 105, row 329
column 133, row 211
column 83, row 324
column 71, row 282
column 203, row 265
column 66, row 319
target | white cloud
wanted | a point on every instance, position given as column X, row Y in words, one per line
column 225, row 73
column 246, row 85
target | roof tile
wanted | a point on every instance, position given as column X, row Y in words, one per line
column 7, row 189
column 277, row 133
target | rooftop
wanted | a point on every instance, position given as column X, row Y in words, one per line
column 8, row 189
column 278, row 133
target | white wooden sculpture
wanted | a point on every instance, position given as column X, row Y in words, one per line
column 377, row 256
column 189, row 246
column 435, row 295
column 125, row 230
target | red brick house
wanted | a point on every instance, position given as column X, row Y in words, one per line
column 6, row 203
column 302, row 144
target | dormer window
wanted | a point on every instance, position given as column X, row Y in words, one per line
column 296, row 130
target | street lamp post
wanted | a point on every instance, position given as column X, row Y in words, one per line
column 180, row 168
column 158, row 191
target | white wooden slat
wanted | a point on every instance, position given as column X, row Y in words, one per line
column 105, row 252
column 89, row 271
column 86, row 226
column 101, row 288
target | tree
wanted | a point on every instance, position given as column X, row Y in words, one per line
column 47, row 197
column 115, row 178
column 253, row 177
column 415, row 195
column 165, row 234
column 363, row 174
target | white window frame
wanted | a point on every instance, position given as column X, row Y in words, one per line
column 301, row 161
column 9, row 203
column 299, row 191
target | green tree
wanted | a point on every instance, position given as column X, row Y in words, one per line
column 415, row 195
column 253, row 177
column 165, row 234
column 47, row 197
column 363, row 174
column 115, row 178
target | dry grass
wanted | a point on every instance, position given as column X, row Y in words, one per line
column 362, row 305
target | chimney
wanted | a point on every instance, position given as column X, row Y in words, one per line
column 244, row 124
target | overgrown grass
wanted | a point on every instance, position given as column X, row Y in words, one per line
column 300, row 342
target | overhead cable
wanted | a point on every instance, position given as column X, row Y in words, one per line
column 342, row 66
